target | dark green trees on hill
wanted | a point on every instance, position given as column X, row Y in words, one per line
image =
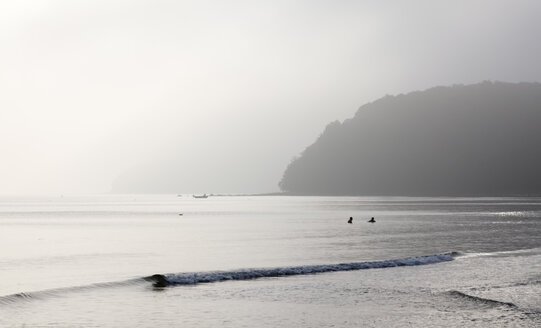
column 482, row 139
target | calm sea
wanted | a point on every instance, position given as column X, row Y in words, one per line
column 276, row 261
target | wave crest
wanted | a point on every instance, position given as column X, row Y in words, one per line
column 481, row 300
column 193, row 278
column 160, row 280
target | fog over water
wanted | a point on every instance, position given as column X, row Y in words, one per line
column 213, row 96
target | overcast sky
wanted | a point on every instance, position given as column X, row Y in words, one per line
column 218, row 96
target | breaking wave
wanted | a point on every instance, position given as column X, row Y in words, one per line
column 192, row 278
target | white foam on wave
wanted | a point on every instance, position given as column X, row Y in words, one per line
column 246, row 274
column 520, row 252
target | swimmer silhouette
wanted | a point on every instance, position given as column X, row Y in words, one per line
column 372, row 220
column 350, row 219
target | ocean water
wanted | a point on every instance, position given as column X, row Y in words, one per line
column 269, row 261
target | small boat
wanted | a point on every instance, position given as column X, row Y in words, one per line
column 201, row 196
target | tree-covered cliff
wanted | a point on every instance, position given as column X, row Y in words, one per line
column 482, row 139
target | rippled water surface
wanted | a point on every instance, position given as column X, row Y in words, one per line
column 80, row 262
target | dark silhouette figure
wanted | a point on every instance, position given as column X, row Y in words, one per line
column 350, row 220
column 158, row 280
column 372, row 220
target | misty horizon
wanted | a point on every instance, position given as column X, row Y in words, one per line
column 210, row 97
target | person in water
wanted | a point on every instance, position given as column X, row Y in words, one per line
column 350, row 219
column 372, row 220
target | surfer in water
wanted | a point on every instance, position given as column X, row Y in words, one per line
column 372, row 220
column 350, row 220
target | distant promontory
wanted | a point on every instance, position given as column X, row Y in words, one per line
column 463, row 140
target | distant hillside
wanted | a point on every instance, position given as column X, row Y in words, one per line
column 482, row 139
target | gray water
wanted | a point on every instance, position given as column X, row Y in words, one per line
column 426, row 262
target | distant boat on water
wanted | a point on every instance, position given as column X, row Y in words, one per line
column 201, row 196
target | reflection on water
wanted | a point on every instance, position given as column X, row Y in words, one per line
column 53, row 243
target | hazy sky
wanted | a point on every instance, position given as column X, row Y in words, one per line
column 218, row 96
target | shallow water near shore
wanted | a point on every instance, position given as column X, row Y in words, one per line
column 267, row 261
